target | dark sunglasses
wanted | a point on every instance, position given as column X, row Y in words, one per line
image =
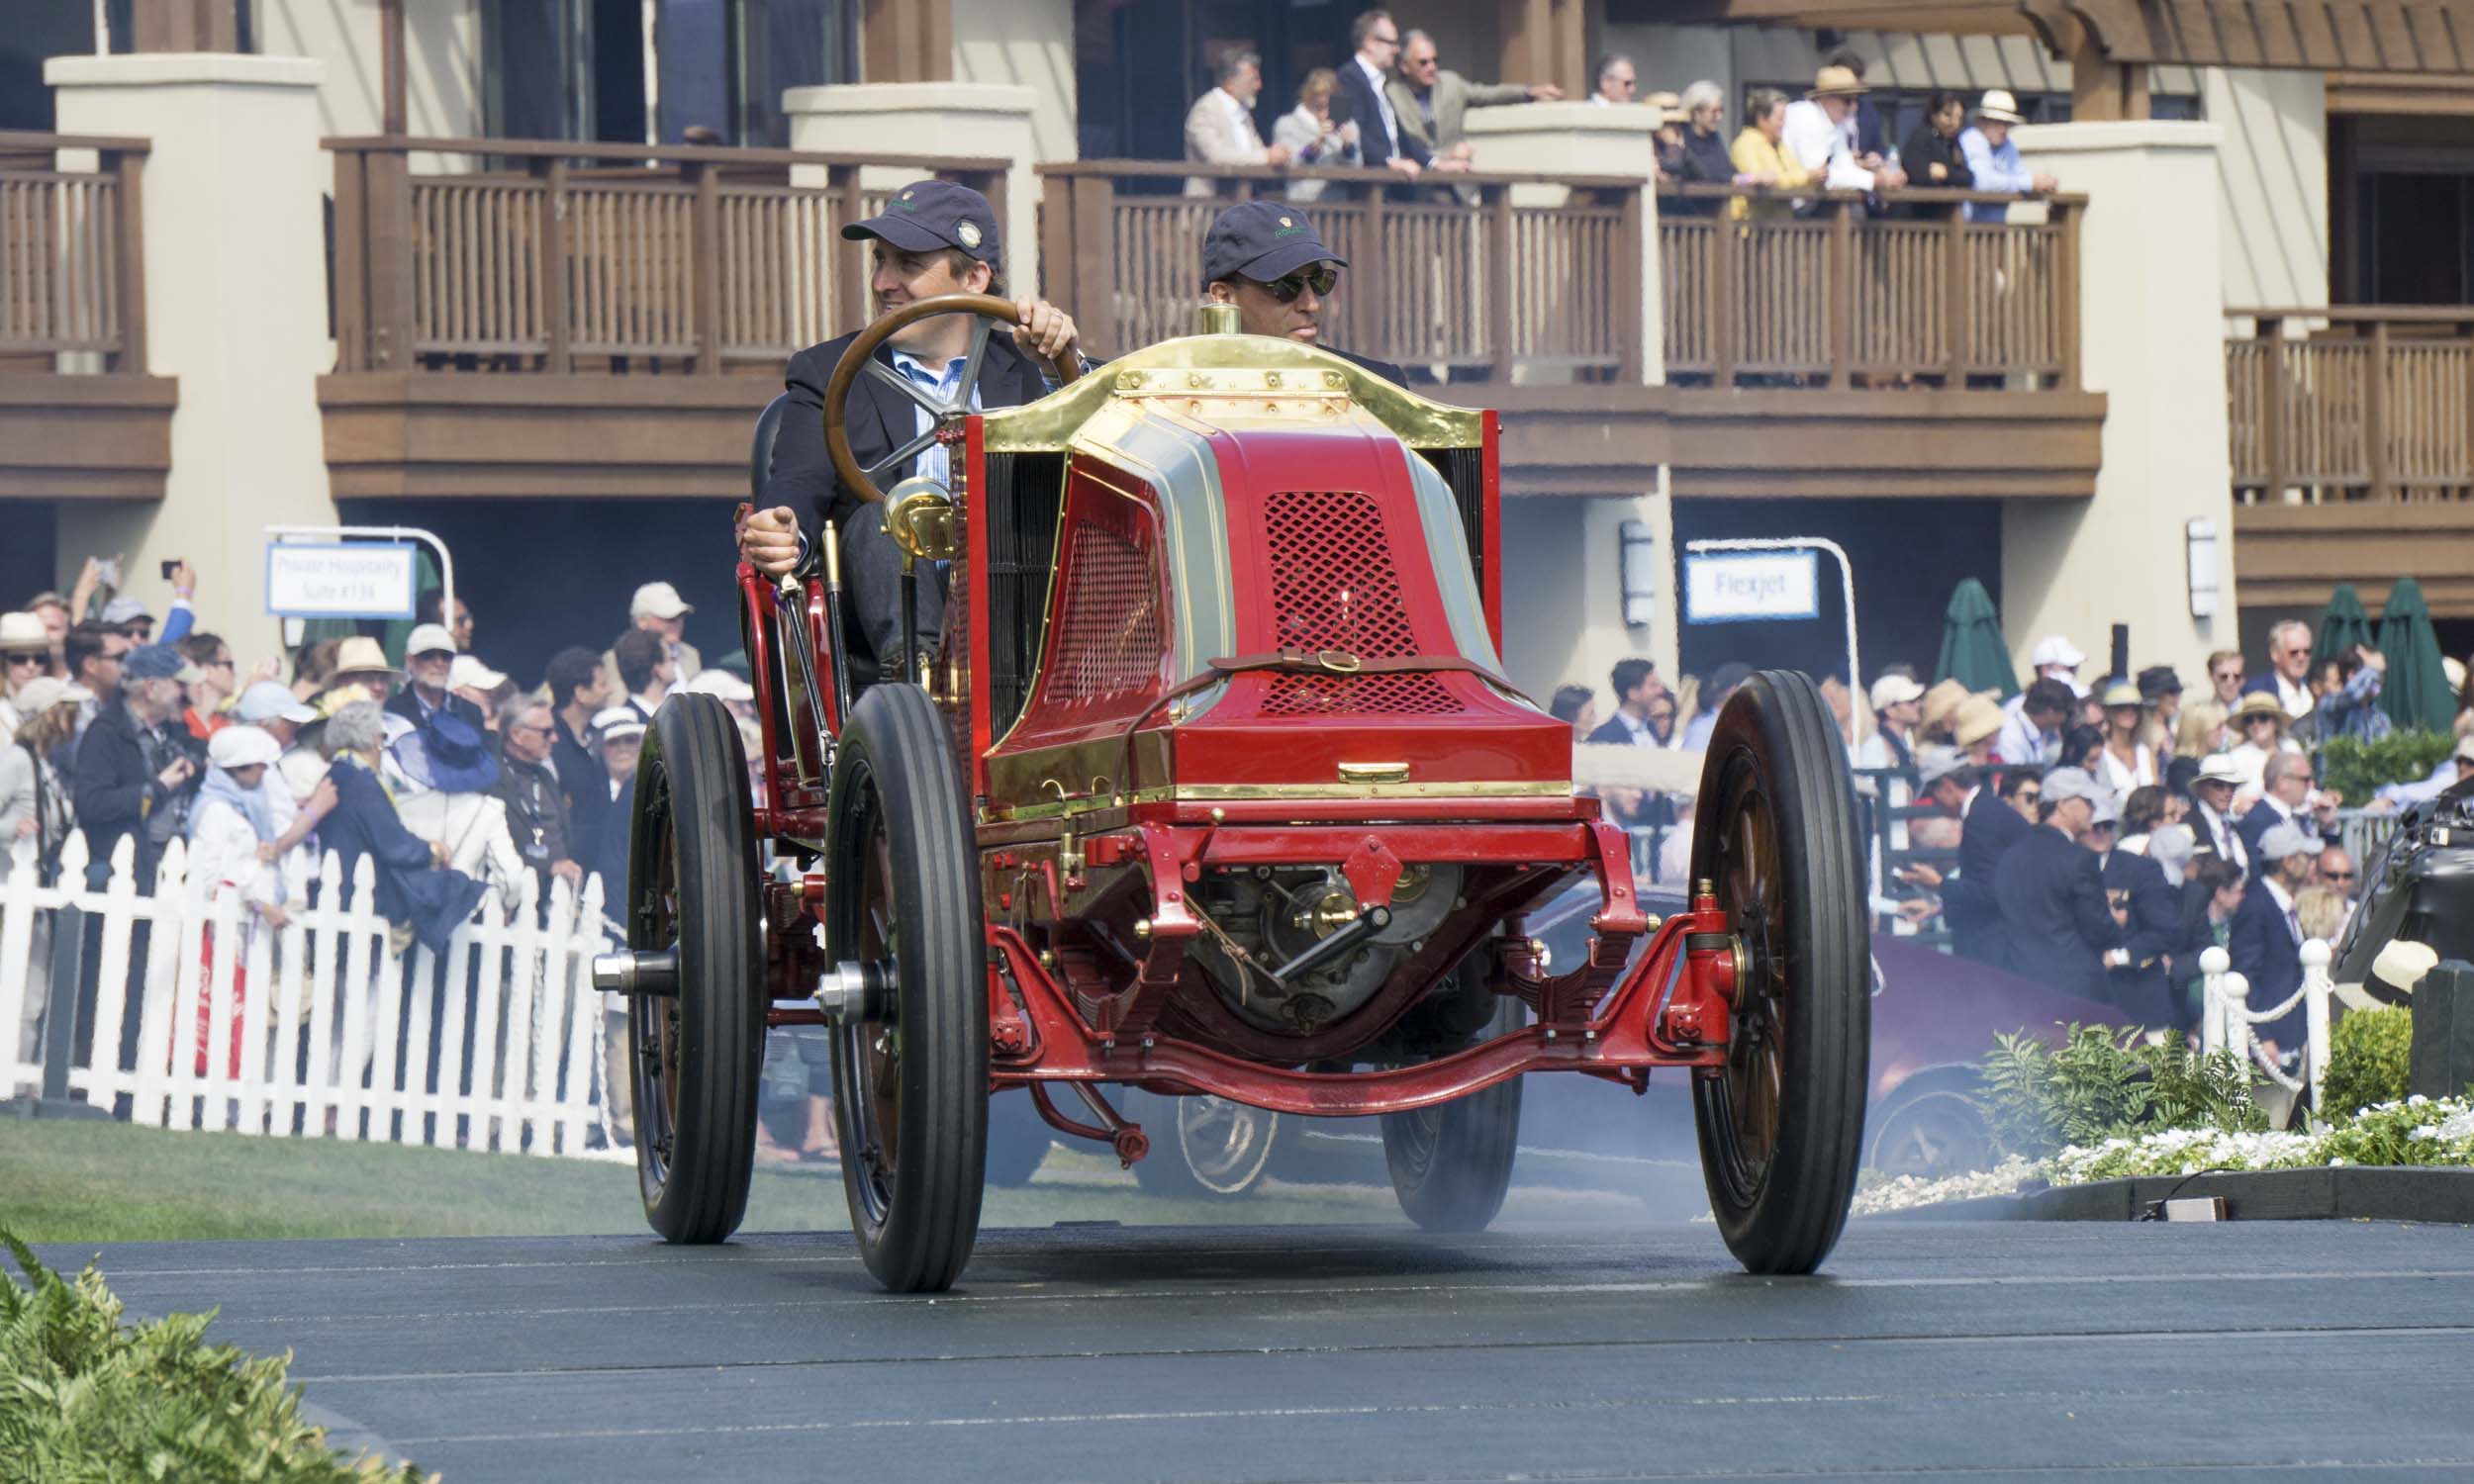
column 27, row 659
column 2030, row 795
column 1322, row 278
column 2336, row 875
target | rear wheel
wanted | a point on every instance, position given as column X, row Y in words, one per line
column 695, row 1057
column 910, row 1089
column 1452, row 1164
column 1781, row 1124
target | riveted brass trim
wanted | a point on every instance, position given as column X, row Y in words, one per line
column 1373, row 773
column 1228, row 366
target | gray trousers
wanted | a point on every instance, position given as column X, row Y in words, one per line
column 871, row 572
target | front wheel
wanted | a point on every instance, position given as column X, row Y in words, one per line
column 1451, row 1165
column 694, row 1057
column 1781, row 1124
column 910, row 1088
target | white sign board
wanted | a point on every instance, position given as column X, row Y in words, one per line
column 339, row 580
column 1739, row 587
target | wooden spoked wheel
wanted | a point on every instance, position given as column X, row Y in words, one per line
column 694, row 1056
column 910, row 1088
column 1781, row 1124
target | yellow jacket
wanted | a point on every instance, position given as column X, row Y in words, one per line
column 1754, row 155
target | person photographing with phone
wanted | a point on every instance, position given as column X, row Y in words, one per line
column 135, row 775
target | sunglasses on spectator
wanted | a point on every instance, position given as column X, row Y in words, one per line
column 1322, row 278
column 2030, row 795
column 2336, row 875
column 27, row 659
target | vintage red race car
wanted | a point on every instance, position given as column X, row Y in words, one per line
column 1214, row 786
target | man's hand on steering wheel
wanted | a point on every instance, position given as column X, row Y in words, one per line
column 1044, row 330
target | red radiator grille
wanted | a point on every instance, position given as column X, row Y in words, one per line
column 1333, row 587
column 1108, row 636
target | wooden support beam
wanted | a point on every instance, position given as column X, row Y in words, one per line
column 393, row 112
column 907, row 40
column 184, row 26
column 1547, row 41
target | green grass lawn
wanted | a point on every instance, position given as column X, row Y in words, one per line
column 77, row 1181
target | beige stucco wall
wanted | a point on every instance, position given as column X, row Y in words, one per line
column 1027, row 43
column 442, row 45
column 974, row 121
column 2152, row 342
column 236, row 280
column 2272, row 184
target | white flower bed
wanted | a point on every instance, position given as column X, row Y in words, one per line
column 2417, row 1130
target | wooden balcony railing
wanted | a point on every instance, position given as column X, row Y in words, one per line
column 1469, row 280
column 1835, row 295
column 71, row 259
column 557, row 257
column 2369, row 404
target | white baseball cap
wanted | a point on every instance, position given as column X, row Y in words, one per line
column 2071, row 783
column 722, row 684
column 1891, row 689
column 267, row 701
column 660, row 599
column 617, row 721
column 2054, row 649
column 428, row 638
column 2288, row 839
column 469, row 674
column 242, row 746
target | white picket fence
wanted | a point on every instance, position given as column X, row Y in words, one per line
column 494, row 1045
column 2225, row 1017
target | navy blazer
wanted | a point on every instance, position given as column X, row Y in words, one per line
column 2143, row 987
column 2268, row 951
column 1355, row 100
column 1968, row 903
column 2055, row 927
column 410, row 888
column 878, row 420
column 2253, row 827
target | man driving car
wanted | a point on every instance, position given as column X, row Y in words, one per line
column 933, row 238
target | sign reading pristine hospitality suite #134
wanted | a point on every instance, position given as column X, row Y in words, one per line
column 339, row 580
column 1745, row 587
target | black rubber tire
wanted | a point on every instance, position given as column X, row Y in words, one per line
column 1202, row 1149
column 1019, row 1141
column 906, row 881
column 1452, row 1164
column 1775, row 829
column 692, row 881
column 1931, row 1134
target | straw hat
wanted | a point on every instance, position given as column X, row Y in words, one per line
column 1840, row 82
column 361, row 655
column 1665, row 108
column 1941, row 702
column 24, row 633
column 2259, row 703
column 1998, row 106
column 1977, row 719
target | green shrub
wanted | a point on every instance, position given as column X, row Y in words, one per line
column 2368, row 1053
column 2102, row 1085
column 2358, row 769
column 83, row 1399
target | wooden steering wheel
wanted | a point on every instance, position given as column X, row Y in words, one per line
column 860, row 358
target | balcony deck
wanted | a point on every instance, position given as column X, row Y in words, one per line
column 532, row 318
column 2352, row 451
column 79, row 418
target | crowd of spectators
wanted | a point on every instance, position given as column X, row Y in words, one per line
column 1392, row 103
column 450, row 781
column 2097, row 835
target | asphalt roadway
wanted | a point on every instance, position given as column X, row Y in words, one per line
column 1977, row 1352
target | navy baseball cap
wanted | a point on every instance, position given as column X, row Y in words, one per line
column 929, row 214
column 1264, row 240
column 158, row 662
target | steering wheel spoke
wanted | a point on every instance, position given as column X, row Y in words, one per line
column 859, row 359
column 877, row 470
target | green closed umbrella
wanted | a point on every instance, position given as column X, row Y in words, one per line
column 2414, row 693
column 1974, row 652
column 2342, row 627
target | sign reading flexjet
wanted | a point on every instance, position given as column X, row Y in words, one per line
column 1744, row 586
column 339, row 580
